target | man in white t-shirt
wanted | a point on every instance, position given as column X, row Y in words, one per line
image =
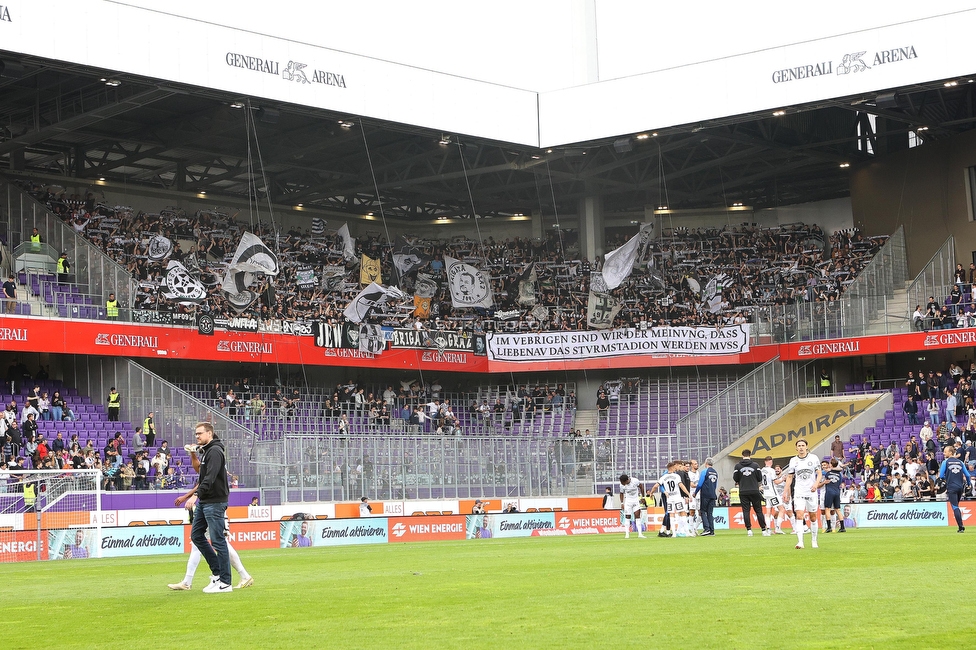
column 802, row 477
column 631, row 493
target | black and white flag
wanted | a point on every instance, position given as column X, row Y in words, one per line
column 407, row 257
column 236, row 289
column 318, row 226
column 180, row 286
column 526, row 286
column 469, row 286
column 371, row 339
column 601, row 309
column 365, row 301
column 159, row 248
column 253, row 256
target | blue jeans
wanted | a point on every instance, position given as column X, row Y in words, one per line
column 210, row 516
column 56, row 413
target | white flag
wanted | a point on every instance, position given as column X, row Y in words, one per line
column 469, row 286
column 618, row 264
column 371, row 339
column 253, row 256
column 360, row 306
column 348, row 243
column 601, row 309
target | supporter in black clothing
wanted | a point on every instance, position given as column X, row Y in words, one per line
column 747, row 475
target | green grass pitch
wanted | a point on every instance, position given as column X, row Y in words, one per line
column 879, row 588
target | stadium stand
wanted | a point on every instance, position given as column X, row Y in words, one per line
column 691, row 277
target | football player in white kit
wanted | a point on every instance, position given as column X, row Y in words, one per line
column 772, row 495
column 802, row 477
column 694, row 504
column 674, row 492
column 631, row 493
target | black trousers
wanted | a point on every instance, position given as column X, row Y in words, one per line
column 708, row 519
column 753, row 500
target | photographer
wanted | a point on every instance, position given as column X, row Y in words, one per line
column 478, row 508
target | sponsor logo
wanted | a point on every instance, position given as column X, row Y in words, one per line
column 250, row 347
column 13, row 334
column 444, row 357
column 127, row 340
column 412, row 339
column 254, row 536
column 399, row 530
column 293, row 71
column 950, row 338
column 829, row 348
column 18, row 547
column 347, row 353
column 905, row 515
column 849, row 63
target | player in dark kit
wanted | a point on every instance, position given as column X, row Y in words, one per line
column 956, row 478
column 831, row 483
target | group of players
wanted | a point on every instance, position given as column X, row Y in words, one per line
column 808, row 489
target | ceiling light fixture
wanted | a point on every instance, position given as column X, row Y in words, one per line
column 845, row 165
column 237, row 105
column 921, row 128
column 950, row 84
column 642, row 136
column 662, row 207
column 445, row 140
column 301, row 205
column 113, row 82
column 779, row 113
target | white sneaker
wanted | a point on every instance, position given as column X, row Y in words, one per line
column 749, row 533
column 626, row 535
column 213, row 580
column 813, row 544
column 799, row 546
column 218, row 588
column 641, row 536
column 244, row 584
column 766, row 533
column 179, row 586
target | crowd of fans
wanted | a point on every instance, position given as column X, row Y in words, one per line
column 686, row 277
column 958, row 307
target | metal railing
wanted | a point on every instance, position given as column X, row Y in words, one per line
column 176, row 412
column 719, row 422
column 864, row 301
column 332, row 468
column 89, row 266
column 935, row 278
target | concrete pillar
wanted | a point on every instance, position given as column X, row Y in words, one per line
column 537, row 226
column 17, row 160
column 591, row 235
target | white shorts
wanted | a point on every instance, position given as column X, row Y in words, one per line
column 773, row 500
column 677, row 505
column 630, row 507
column 807, row 503
column 695, row 504
column 821, row 494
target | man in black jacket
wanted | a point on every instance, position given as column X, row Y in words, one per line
column 748, row 477
column 212, row 491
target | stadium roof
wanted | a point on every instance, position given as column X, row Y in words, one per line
column 61, row 119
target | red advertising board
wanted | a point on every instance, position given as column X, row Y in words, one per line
column 591, row 522
column 22, row 546
column 102, row 338
column 426, row 529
